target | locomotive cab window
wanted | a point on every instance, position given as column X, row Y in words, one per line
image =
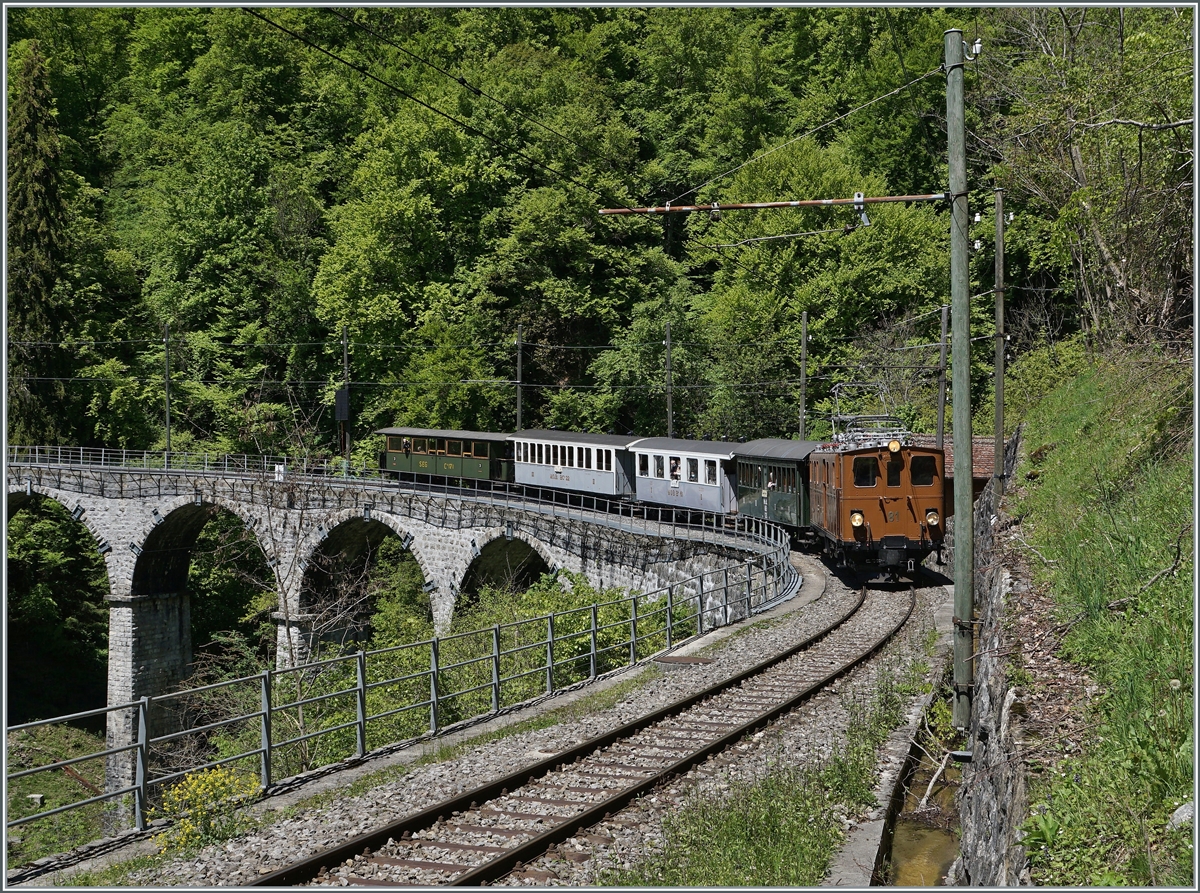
column 866, row 470
column 893, row 472
column 924, row 468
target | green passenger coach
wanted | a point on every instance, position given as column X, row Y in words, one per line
column 772, row 480
column 467, row 455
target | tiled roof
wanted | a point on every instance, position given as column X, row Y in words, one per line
column 983, row 454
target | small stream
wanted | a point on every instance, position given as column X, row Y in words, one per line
column 925, row 842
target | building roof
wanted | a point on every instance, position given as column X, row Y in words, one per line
column 983, row 454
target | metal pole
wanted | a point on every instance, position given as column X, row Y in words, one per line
column 433, row 686
column 960, row 298
column 803, row 367
column 593, row 655
column 362, row 703
column 670, row 414
column 142, row 769
column 520, row 332
column 670, row 611
column 549, row 654
column 496, row 668
column 998, row 469
column 265, row 728
column 167, row 383
column 346, row 376
column 941, row 426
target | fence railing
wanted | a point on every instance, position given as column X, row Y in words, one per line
column 303, row 717
column 639, row 517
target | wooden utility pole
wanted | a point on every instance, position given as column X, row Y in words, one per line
column 670, row 413
column 520, row 332
column 960, row 301
column 803, row 367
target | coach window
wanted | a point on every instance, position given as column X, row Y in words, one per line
column 643, row 465
column 675, row 470
column 866, row 470
column 480, row 450
column 693, row 466
column 923, row 470
column 710, row 471
column 658, row 467
column 893, row 472
column 608, row 460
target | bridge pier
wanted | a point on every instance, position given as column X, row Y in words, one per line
column 149, row 649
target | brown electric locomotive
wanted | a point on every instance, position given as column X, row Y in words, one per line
column 877, row 501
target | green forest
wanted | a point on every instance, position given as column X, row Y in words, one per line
column 247, row 196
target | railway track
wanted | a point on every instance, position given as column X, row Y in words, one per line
column 485, row 833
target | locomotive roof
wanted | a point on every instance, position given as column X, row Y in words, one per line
column 703, row 447
column 776, row 448
column 439, row 432
column 609, row 440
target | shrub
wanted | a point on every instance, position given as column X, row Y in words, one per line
column 207, row 806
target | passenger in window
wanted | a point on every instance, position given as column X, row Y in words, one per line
column 407, row 446
column 674, row 469
column 771, row 481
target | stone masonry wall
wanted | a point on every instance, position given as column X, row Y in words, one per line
column 992, row 800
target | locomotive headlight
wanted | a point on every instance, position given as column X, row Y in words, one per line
column 893, row 446
column 856, row 519
column 931, row 518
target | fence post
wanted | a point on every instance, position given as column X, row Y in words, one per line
column 700, row 606
column 670, row 611
column 362, row 702
column 749, row 584
column 633, row 631
column 143, row 757
column 496, row 668
column 433, row 686
column 265, row 761
column 725, row 597
column 550, row 654
column 593, row 655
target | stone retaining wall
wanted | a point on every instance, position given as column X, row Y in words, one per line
column 992, row 800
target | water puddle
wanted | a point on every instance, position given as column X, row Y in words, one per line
column 925, row 838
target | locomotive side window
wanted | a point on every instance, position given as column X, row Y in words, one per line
column 658, row 467
column 893, row 472
column 710, row 471
column 923, row 470
column 866, row 470
column 693, row 466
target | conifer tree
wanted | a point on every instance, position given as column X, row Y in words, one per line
column 36, row 226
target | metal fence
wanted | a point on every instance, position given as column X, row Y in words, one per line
column 315, row 714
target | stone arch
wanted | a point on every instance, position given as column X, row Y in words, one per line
column 489, row 536
column 345, row 534
column 51, row 673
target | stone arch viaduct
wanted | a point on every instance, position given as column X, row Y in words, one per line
column 145, row 521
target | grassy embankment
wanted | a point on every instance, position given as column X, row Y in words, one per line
column 784, row 829
column 1105, row 499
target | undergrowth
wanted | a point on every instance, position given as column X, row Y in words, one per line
column 1106, row 502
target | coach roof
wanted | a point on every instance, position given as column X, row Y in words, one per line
column 607, row 440
column 775, row 448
